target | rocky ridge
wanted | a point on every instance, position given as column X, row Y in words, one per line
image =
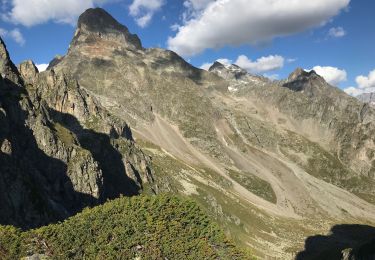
column 60, row 150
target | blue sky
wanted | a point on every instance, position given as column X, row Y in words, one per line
column 271, row 37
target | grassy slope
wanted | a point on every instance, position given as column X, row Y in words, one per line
column 159, row 227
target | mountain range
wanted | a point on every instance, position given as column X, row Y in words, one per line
column 272, row 162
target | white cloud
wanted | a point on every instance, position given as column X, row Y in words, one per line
column 42, row 67
column 144, row 10
column 366, row 81
column 197, row 4
column 206, row 66
column 353, row 91
column 17, row 36
column 143, row 21
column 261, row 65
column 14, row 34
column 174, row 27
column 236, row 22
column 33, row 12
column 332, row 75
column 365, row 84
column 194, row 8
column 336, row 32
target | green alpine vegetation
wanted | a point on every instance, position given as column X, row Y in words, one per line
column 142, row 227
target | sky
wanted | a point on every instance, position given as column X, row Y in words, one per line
column 336, row 38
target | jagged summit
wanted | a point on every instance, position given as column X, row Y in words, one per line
column 96, row 24
column 216, row 65
column 7, row 69
column 302, row 80
column 28, row 71
column 299, row 72
column 232, row 72
column 97, row 19
column 237, row 76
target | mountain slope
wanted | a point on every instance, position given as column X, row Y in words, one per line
column 248, row 149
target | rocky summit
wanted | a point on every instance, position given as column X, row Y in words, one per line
column 272, row 162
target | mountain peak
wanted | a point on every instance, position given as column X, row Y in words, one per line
column 299, row 72
column 28, row 71
column 7, row 69
column 95, row 24
column 302, row 80
column 97, row 19
column 216, row 65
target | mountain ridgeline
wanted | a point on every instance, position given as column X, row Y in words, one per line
column 272, row 162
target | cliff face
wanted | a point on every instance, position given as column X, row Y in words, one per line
column 60, row 150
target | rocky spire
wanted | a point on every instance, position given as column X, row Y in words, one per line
column 297, row 73
column 28, row 71
column 7, row 69
column 96, row 23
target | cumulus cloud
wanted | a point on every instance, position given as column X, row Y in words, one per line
column 206, row 66
column 236, row 22
column 42, row 67
column 366, row 81
column 17, row 36
column 365, row 84
column 336, row 32
column 14, row 34
column 144, row 10
column 197, row 4
column 261, row 65
column 174, row 27
column 332, row 75
column 33, row 12
column 194, row 8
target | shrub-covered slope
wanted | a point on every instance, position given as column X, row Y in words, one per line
column 159, row 227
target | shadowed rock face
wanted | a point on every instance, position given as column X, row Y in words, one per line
column 346, row 242
column 7, row 69
column 60, row 150
column 308, row 82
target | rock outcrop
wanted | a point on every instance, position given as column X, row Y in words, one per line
column 60, row 150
